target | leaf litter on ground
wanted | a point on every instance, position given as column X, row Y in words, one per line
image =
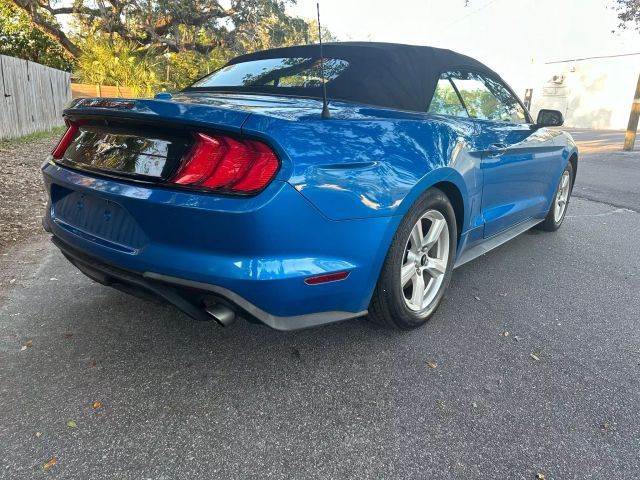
column 50, row 463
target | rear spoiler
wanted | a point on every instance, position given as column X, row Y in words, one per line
column 195, row 113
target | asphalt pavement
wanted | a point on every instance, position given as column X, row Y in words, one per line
column 530, row 367
column 606, row 173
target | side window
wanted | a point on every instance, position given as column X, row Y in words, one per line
column 487, row 99
column 509, row 104
column 445, row 100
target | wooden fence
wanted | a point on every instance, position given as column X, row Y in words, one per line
column 80, row 90
column 32, row 98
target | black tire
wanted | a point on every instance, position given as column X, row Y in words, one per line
column 550, row 224
column 388, row 306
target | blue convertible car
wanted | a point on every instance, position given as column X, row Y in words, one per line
column 239, row 196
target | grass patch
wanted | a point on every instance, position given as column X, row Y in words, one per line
column 32, row 137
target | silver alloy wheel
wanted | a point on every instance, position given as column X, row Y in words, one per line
column 562, row 196
column 425, row 260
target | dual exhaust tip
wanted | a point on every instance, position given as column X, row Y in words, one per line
column 220, row 313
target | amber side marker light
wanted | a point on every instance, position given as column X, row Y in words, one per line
column 329, row 277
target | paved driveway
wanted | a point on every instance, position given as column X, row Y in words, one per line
column 537, row 347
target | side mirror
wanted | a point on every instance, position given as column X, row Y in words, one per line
column 549, row 118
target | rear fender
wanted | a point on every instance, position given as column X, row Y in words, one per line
column 445, row 174
column 366, row 166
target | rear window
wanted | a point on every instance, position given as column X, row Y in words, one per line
column 275, row 72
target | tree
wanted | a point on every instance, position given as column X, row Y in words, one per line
column 169, row 25
column 178, row 70
column 152, row 44
column 628, row 13
column 118, row 62
column 19, row 38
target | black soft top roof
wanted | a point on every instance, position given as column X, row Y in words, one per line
column 385, row 74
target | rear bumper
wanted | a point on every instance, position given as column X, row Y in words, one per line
column 253, row 253
column 187, row 295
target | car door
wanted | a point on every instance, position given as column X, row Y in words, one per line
column 447, row 102
column 516, row 159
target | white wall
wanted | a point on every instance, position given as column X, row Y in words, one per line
column 593, row 93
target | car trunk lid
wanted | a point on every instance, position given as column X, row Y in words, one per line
column 120, row 148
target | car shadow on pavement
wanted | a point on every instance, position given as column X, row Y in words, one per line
column 111, row 327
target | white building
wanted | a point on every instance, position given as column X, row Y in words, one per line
column 591, row 93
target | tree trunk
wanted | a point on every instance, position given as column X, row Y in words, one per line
column 48, row 27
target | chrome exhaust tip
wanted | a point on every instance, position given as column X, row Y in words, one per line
column 221, row 314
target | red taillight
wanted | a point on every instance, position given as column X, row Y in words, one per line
column 65, row 141
column 329, row 277
column 238, row 165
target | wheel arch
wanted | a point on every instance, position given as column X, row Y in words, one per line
column 453, row 184
column 379, row 311
column 573, row 160
column 457, row 202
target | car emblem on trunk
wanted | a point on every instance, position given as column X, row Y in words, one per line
column 102, row 148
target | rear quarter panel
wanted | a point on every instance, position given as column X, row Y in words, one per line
column 369, row 162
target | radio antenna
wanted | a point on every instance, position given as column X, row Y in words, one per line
column 325, row 104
